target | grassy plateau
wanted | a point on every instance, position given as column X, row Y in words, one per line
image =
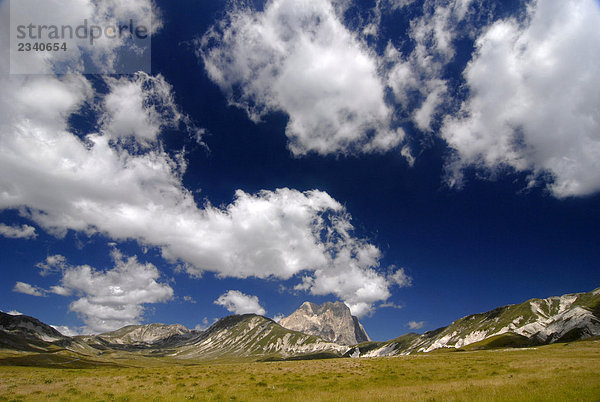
column 559, row 372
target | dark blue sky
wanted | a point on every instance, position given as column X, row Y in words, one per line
column 495, row 241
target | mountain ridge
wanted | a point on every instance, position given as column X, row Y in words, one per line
column 534, row 322
column 540, row 321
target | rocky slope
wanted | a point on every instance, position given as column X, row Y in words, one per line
column 252, row 335
column 145, row 334
column 28, row 328
column 330, row 321
column 535, row 322
column 24, row 333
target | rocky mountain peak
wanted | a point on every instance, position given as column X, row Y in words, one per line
column 331, row 321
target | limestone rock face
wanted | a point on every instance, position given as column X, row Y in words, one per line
column 330, row 321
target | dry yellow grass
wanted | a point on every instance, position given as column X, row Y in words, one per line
column 552, row 373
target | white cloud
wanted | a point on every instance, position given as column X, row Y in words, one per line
column 94, row 184
column 140, row 106
column 390, row 304
column 189, row 299
column 400, row 278
column 17, row 232
column 395, row 4
column 358, row 287
column 53, row 263
column 278, row 317
column 13, row 312
column 541, row 110
column 240, row 303
column 67, row 331
column 421, row 71
column 202, row 326
column 298, row 57
column 60, row 290
column 26, row 288
column 108, row 300
column 415, row 324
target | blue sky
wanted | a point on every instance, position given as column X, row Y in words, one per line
column 418, row 160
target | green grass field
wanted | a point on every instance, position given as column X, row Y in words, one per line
column 558, row 372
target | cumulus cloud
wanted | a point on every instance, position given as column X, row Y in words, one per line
column 26, row 288
column 94, row 183
column 358, row 288
column 417, row 78
column 299, row 58
column 53, row 263
column 541, row 110
column 400, row 278
column 140, row 106
column 60, row 290
column 240, row 303
column 17, row 232
column 92, row 187
column 415, row 324
column 108, row 300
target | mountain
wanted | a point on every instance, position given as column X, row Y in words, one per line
column 27, row 328
column 248, row 336
column 535, row 322
column 330, row 321
column 27, row 334
column 251, row 335
column 145, row 334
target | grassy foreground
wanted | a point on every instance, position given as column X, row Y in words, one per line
column 555, row 373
